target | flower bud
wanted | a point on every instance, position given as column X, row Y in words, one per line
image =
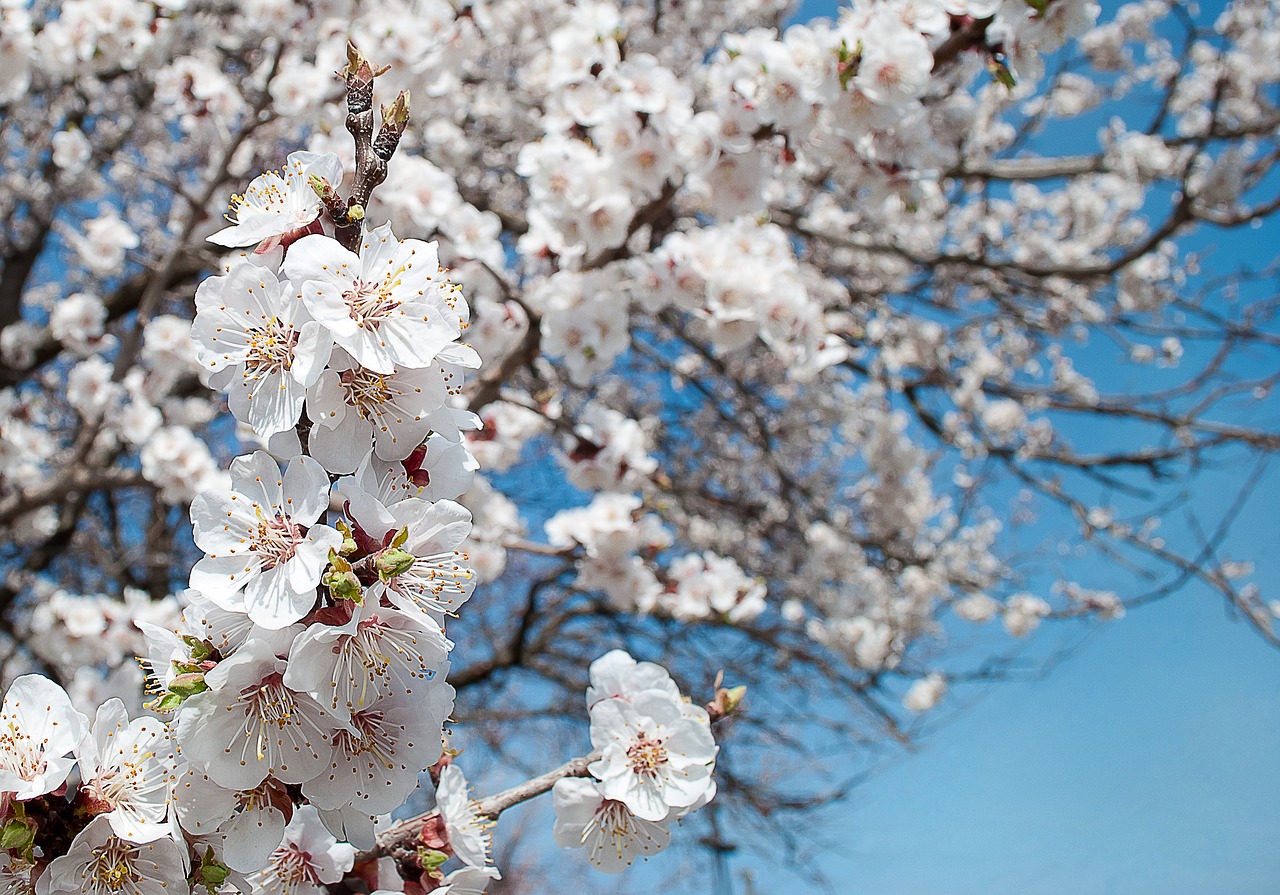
column 188, row 684
column 392, row 562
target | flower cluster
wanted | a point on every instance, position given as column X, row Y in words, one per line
column 310, row 659
column 656, row 760
column 305, row 677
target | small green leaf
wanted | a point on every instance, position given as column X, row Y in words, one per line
column 18, row 834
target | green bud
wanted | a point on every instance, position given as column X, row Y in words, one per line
column 392, row 562
column 348, row 545
column 212, row 873
column 167, row 703
column 430, row 859
column 18, row 834
column 733, row 698
column 355, row 212
column 344, row 586
column 322, row 188
column 188, row 684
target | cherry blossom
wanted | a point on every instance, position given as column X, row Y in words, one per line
column 258, row 344
column 40, row 735
column 307, row 859
column 262, row 539
column 469, row 834
column 279, row 206
column 654, row 758
column 612, row 835
column 127, row 771
column 100, row 863
column 248, row 725
column 389, row 306
column 788, row 332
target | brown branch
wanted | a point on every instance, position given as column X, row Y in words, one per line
column 400, row 838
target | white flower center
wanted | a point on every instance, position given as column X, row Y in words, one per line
column 271, row 348
column 111, row 869
column 276, row 540
column 20, row 753
column 292, row 869
column 889, row 74
column 365, row 390
column 270, row 194
column 365, row 660
column 647, row 755
column 369, row 303
column 614, row 829
column 270, row 706
column 371, row 740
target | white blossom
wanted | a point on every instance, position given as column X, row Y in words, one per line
column 388, row 307
column 262, row 539
column 40, row 736
column 277, row 205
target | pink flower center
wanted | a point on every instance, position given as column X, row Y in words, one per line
column 647, row 755
column 270, row 348
column 369, row 303
column 277, row 540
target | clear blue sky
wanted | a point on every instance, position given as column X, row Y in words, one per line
column 1145, row 764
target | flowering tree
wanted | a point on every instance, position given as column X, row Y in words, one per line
column 754, row 347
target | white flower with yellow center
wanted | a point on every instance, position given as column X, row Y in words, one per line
column 355, row 407
column 127, row 769
column 439, row 580
column 379, row 653
column 470, row 834
column 279, row 204
column 249, row 823
column 655, row 757
column 389, row 307
column 262, row 540
column 249, row 725
column 377, row 758
column 40, row 731
column 306, row 861
column 260, row 345
column 611, row 834
column 101, row 863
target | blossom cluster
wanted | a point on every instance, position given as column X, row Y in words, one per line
column 814, row 307
column 655, row 767
column 307, row 655
column 305, row 675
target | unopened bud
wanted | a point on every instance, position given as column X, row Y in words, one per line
column 188, row 684
column 726, row 701
column 341, row 579
column 344, row 585
column 348, row 545
column 430, row 859
column 213, row 873
column 169, row 702
column 392, row 562
column 322, row 188
column 396, row 115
